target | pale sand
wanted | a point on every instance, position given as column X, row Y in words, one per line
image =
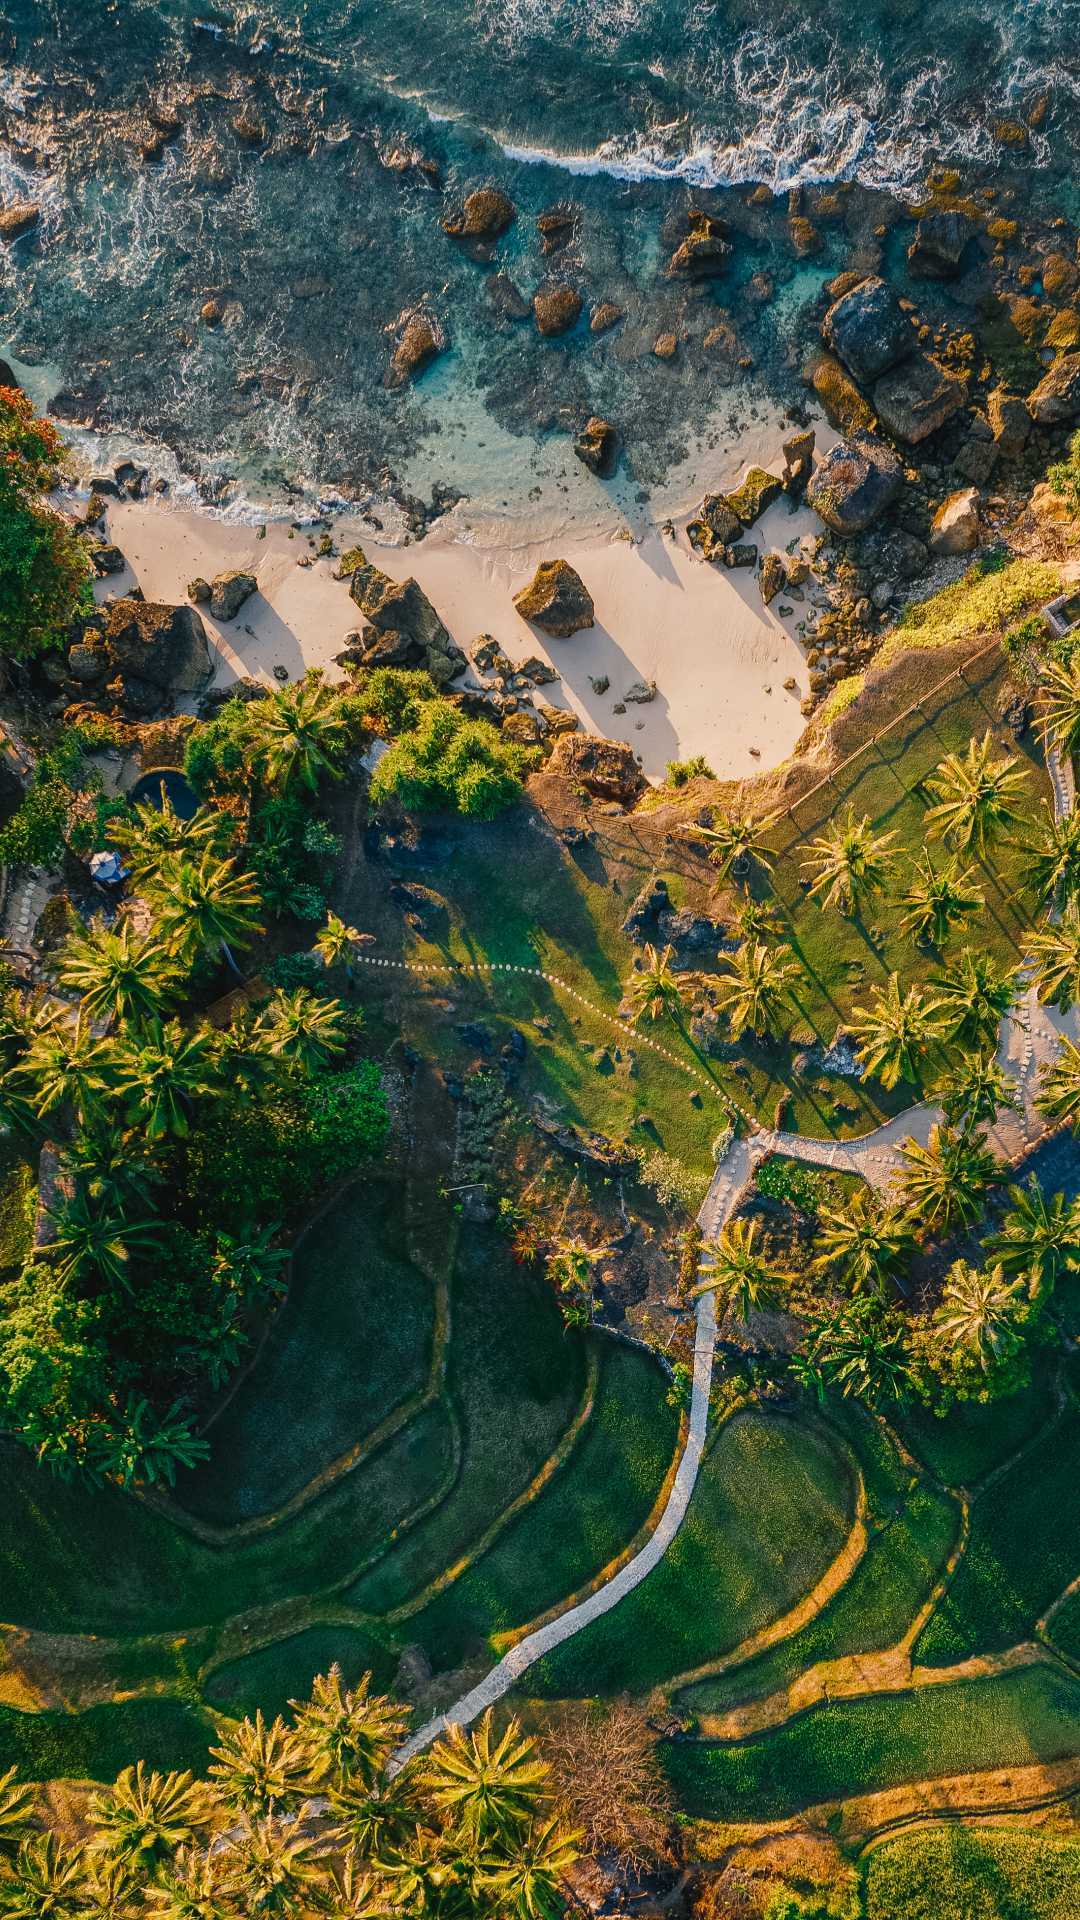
column 718, row 657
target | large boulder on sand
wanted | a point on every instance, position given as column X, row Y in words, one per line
column 607, row 769
column 716, row 528
column 915, row 399
column 856, row 481
column 407, row 629
column 866, row 327
column 556, row 600
column 164, row 646
column 228, row 591
column 1057, row 396
column 955, row 526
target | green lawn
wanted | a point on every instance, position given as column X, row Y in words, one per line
column 970, row 1441
column 588, row 1513
column 849, row 1747
column 912, row 1529
column 964, row 1873
column 351, row 1342
column 1023, row 1551
column 771, row 1509
column 95, row 1745
column 285, row 1671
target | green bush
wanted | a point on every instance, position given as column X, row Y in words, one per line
column 395, row 696
column 44, row 569
column 790, row 1181
column 681, row 772
column 447, row 761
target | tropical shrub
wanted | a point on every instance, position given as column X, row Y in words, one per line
column 44, row 569
column 447, row 761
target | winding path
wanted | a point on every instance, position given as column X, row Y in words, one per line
column 1029, row 1038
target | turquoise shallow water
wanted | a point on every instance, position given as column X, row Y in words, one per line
column 313, row 238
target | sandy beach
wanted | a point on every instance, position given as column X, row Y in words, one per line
column 717, row 656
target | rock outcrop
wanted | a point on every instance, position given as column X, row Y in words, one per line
column 955, row 526
column 607, row 769
column 405, row 629
column 228, row 591
column 556, row 310
column 716, row 527
column 854, row 484
column 556, row 600
column 915, row 399
column 937, row 249
column 704, row 250
column 597, row 445
column 1057, row 396
column 867, row 328
column 485, row 214
column 166, row 647
column 756, row 490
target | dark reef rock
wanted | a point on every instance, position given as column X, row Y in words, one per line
column 938, row 246
column 867, row 328
column 855, row 483
column 596, row 445
column 915, row 399
column 704, row 250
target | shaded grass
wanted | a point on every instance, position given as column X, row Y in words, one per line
column 1023, row 1551
column 771, row 1509
column 912, row 1529
column 849, row 1747
column 955, row 1873
column 351, row 1341
column 588, row 1513
column 516, row 1380
column 964, row 1445
column 274, row 1675
column 96, row 1744
column 18, row 1194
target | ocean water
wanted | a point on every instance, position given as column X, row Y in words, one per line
column 314, row 239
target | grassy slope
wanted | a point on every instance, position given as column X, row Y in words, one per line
column 771, row 1509
column 956, row 1873
column 95, row 1745
column 284, row 1671
column 858, row 1746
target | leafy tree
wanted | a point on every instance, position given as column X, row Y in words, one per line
column 946, row 1181
column 937, row 899
column 337, row 943
column 203, row 905
column 303, row 1029
column 736, row 842
column 735, row 1268
column 45, row 579
column 972, row 998
column 974, row 1089
column 975, row 797
column 163, row 1069
column 1056, row 952
column 858, row 1350
column 867, row 1242
column 1058, row 1097
column 895, row 1031
column 657, row 988
column 752, row 992
column 851, row 863
column 448, row 761
column 570, row 1266
column 1039, row 1239
column 301, row 734
column 978, row 1311
column 1055, row 858
column 117, row 973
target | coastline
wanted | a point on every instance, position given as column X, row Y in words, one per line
column 717, row 655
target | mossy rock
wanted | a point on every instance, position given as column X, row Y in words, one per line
column 756, row 491
column 844, row 405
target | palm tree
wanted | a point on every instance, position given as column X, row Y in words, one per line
column 938, row 899
column 753, row 993
column 111, row 1892
column 735, row 1269
column 570, row 1266
column 526, row 1880
column 301, row 734
column 1056, row 953
column 485, row 1786
column 193, row 1887
column 258, row 1768
column 44, row 1881
column 978, row 1311
column 1055, row 858
column 756, row 919
column 203, row 905
column 973, row 997
column 1061, row 705
column 348, row 1733
column 975, row 795
column 145, row 1817
column 117, row 974
column 1059, row 1096
column 354, row 1894
column 64, row 1066
column 735, row 841
column 858, row 1351
column 304, row 1030
column 974, row 1089
column 337, row 943
column 1039, row 1239
column 946, row 1180
column 92, row 1239
column 657, row 989
column 151, row 834
column 161, row 1072
column 895, row 1032
column 16, row 1810
column 867, row 1241
column 147, row 1447
column 271, row 1869
column 851, row 863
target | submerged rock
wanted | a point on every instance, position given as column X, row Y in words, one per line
column 556, row 310
column 854, row 484
column 18, row 219
column 596, row 445
column 421, row 339
column 704, row 250
column 604, row 316
column 938, row 246
column 867, row 328
column 228, row 591
column 557, row 600
column 487, row 212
